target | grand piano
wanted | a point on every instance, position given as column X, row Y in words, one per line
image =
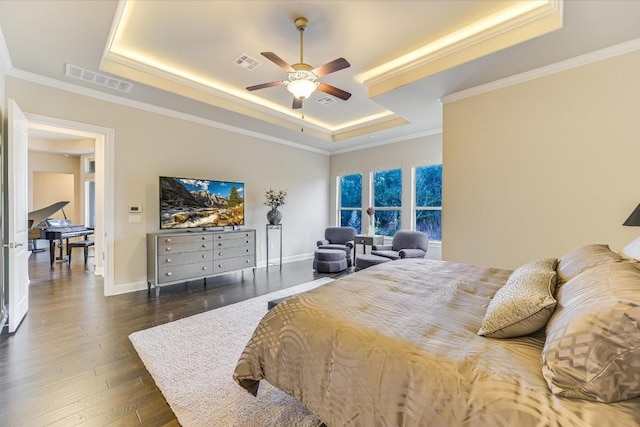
column 54, row 230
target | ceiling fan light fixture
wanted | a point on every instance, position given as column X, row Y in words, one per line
column 302, row 84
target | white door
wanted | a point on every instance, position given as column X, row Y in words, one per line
column 16, row 221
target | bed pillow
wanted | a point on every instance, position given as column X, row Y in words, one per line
column 592, row 348
column 524, row 304
column 632, row 250
column 578, row 260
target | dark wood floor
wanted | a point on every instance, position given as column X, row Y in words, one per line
column 71, row 363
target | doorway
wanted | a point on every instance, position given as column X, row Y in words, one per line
column 101, row 188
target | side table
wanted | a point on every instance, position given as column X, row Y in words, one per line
column 365, row 240
column 279, row 228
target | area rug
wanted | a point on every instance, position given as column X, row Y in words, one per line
column 192, row 362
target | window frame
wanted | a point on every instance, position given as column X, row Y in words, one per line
column 414, row 204
column 339, row 206
column 372, row 196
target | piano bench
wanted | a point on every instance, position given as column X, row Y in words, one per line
column 80, row 244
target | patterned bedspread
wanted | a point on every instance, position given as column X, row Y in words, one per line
column 396, row 345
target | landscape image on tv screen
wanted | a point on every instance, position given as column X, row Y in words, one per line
column 200, row 203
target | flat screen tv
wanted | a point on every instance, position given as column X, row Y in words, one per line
column 200, row 203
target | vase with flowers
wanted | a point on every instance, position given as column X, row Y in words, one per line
column 371, row 230
column 274, row 199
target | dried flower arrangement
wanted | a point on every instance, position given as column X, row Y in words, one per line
column 275, row 198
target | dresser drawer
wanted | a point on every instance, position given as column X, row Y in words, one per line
column 165, row 249
column 231, row 264
column 233, row 235
column 237, row 251
column 184, row 272
column 181, row 239
column 235, row 242
column 165, row 260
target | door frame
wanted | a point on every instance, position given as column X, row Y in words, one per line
column 104, row 177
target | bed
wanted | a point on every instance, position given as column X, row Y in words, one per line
column 397, row 345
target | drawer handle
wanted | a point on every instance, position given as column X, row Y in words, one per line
column 219, row 236
column 167, row 240
column 168, row 248
column 204, row 268
column 204, row 245
column 168, row 273
column 220, row 253
column 248, row 261
column 204, row 255
column 168, row 259
column 219, row 244
column 247, row 241
column 247, row 251
column 220, row 265
column 204, row 237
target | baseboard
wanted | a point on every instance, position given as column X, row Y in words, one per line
column 125, row 288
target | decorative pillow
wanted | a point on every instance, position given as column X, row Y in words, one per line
column 578, row 260
column 524, row 304
column 632, row 250
column 592, row 348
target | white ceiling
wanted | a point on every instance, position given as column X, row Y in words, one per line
column 180, row 55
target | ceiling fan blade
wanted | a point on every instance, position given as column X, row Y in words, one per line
column 330, row 67
column 332, row 90
column 263, row 85
column 297, row 103
column 278, row 61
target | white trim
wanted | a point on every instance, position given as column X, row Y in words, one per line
column 124, row 288
column 389, row 141
column 578, row 61
column 47, row 81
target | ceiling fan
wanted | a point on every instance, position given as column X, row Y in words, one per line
column 302, row 78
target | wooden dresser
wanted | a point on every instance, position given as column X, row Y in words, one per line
column 176, row 257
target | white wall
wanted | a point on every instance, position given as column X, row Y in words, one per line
column 148, row 145
column 541, row 167
column 45, row 188
column 421, row 151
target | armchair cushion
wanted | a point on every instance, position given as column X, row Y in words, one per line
column 412, row 253
column 408, row 239
column 387, row 254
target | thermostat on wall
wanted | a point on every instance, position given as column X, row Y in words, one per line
column 135, row 208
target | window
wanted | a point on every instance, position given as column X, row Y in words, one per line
column 387, row 201
column 350, row 192
column 428, row 180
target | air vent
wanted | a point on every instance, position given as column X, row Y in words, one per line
column 326, row 100
column 97, row 78
column 247, row 62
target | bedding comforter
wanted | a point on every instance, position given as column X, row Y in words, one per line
column 396, row 345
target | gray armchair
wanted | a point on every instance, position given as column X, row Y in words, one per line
column 405, row 244
column 339, row 238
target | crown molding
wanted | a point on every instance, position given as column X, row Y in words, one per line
column 389, row 141
column 68, row 87
column 558, row 67
column 443, row 54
